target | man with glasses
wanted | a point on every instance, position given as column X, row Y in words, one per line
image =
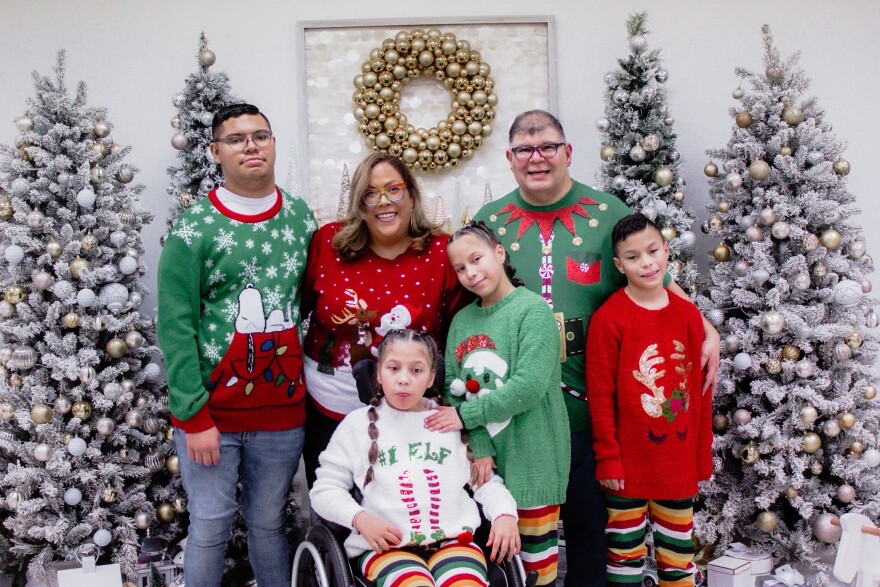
column 229, row 296
column 558, row 234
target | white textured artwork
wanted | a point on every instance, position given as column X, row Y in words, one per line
column 518, row 54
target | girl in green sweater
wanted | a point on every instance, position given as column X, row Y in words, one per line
column 503, row 379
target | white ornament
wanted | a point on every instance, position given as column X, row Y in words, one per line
column 136, row 299
column 14, row 254
column 733, row 181
column 742, row 361
column 112, row 391
column 102, row 537
column 871, row 457
column 86, row 298
column 72, row 496
column 128, row 265
column 687, row 239
column 42, row 452
column 801, row 281
column 781, row 230
column 118, row 238
column 105, row 425
column 42, row 280
column 772, row 323
column 759, row 276
column 803, row 368
column 20, row 187
column 113, row 296
column 86, row 198
column 77, row 447
column 650, row 213
column 847, row 293
column 638, row 43
column 152, row 371
column 63, row 290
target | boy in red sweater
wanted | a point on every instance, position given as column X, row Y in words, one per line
column 651, row 423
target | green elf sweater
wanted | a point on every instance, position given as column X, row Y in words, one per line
column 563, row 252
column 229, row 323
column 502, row 371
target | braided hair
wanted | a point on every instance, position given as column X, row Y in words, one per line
column 434, row 392
column 480, row 230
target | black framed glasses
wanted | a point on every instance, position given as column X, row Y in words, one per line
column 393, row 193
column 547, row 151
column 261, row 138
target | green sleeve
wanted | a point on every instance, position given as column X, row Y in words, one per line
column 178, row 326
column 479, row 439
column 528, row 382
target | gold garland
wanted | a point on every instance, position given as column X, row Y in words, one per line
column 434, row 55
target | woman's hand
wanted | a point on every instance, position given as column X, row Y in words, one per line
column 379, row 534
column 444, row 419
column 504, row 538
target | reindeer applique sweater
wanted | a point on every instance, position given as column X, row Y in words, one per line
column 228, row 321
column 652, row 425
column 354, row 304
column 418, row 485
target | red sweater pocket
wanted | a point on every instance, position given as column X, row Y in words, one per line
column 583, row 268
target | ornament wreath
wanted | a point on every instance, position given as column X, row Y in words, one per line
column 434, row 55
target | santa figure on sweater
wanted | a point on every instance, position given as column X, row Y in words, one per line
column 398, row 318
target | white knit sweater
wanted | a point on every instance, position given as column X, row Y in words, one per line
column 419, row 480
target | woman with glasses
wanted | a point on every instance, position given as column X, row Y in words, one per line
column 383, row 267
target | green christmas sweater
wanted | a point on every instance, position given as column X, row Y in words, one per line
column 563, row 253
column 228, row 319
column 503, row 372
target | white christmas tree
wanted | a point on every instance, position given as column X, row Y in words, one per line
column 196, row 173
column 86, row 457
column 795, row 417
column 640, row 164
column 344, row 194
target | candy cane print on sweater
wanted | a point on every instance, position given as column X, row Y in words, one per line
column 415, row 515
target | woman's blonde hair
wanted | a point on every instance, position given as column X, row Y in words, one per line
column 353, row 239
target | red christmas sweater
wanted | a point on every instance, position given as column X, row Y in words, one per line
column 652, row 425
column 353, row 305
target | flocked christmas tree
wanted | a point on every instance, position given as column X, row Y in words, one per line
column 196, row 172
column 640, row 164
column 86, row 457
column 795, row 417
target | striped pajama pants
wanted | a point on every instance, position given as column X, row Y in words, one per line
column 539, row 533
column 452, row 565
column 672, row 522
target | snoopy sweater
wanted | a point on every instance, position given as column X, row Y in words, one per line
column 228, row 319
column 651, row 421
column 504, row 359
column 418, row 485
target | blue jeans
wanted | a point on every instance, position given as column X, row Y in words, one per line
column 584, row 517
column 265, row 463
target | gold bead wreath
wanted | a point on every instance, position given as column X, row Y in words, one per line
column 434, row 55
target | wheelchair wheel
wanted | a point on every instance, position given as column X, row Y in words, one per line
column 320, row 561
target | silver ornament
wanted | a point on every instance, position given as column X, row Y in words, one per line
column 23, row 357
column 134, row 339
column 742, row 416
column 741, row 267
column 101, row 129
column 125, row 174
column 72, row 496
column 13, row 499
column 135, row 299
column 871, row 319
column 618, row 183
column 178, row 100
column 62, row 405
column 856, row 249
column 831, row 428
column 20, row 187
column 127, row 265
column 87, row 374
column 134, row 418
column 651, row 143
column 754, row 234
column 42, row 280
column 206, row 118
column 179, row 141
column 154, row 462
column 142, row 520
column 637, row 153
column 35, row 219
column 746, row 221
column 687, row 240
column 846, row 493
column 733, row 181
column 118, row 238
column 13, row 254
column 97, row 174
column 76, row 447
column 767, row 216
column 207, row 57
column 847, row 293
column 731, row 343
column 105, row 425
column 801, row 281
column 661, row 75
column 620, row 96
column 42, row 452
column 842, row 352
column 804, row 368
column 151, row 425
column 648, row 92
column 24, row 123
column 638, row 43
column 808, row 414
column 669, row 121
column 112, row 391
column 737, row 94
column 760, row 276
column 742, row 361
column 7, row 310
column 603, row 124
column 716, row 317
column 114, row 296
column 781, row 230
column 152, row 371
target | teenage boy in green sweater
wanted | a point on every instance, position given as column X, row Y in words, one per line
column 229, row 327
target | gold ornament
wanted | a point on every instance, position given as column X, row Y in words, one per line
column 65, row 438
column 870, row 392
column 721, row 253
column 179, row 504
column 607, row 153
column 810, row 442
column 109, row 494
column 841, row 167
column 750, row 453
column 854, row 340
column 663, row 176
column 743, row 119
column 791, row 492
column 678, row 196
column 7, row 411
column 857, row 447
column 791, row 352
column 165, row 512
column 168, row 434
column 41, row 413
column 54, row 249
column 719, row 423
column 792, row 115
column 847, row 420
column 816, row 468
column 14, row 294
column 173, row 464
column 77, row 266
column 116, row 348
column 830, row 239
column 759, row 170
column 773, row 365
column 81, row 409
column 71, row 320
column 785, row 151
column 16, row 381
column 766, row 522
column 669, row 233
column 710, row 169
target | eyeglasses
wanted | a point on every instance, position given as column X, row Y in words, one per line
column 261, row 138
column 547, row 151
column 393, row 193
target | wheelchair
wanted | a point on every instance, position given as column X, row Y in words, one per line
column 321, row 561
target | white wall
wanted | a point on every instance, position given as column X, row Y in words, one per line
column 134, row 59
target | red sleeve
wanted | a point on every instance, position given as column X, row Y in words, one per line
column 603, row 354
column 705, row 435
column 313, row 265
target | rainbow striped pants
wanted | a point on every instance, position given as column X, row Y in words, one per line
column 672, row 522
column 539, row 532
column 452, row 565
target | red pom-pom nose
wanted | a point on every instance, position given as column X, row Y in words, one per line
column 472, row 385
column 465, row 538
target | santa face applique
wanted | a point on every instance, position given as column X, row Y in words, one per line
column 657, row 404
column 482, row 371
column 265, row 354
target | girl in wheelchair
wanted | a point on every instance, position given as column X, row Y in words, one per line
column 416, row 522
